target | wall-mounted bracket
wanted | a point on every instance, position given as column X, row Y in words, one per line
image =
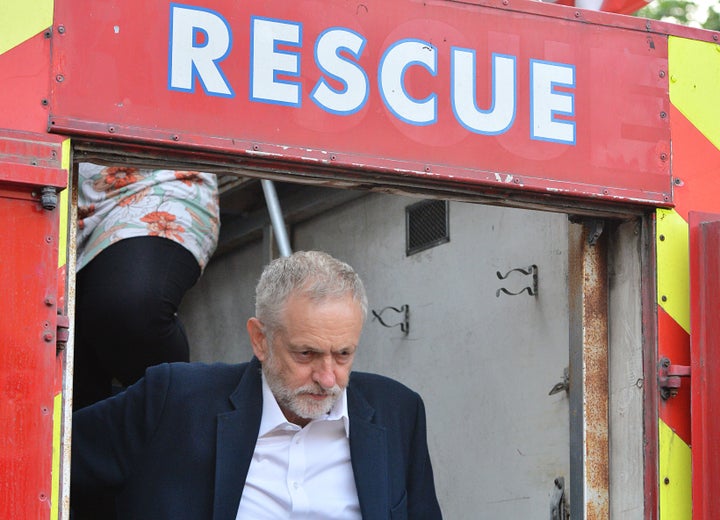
column 404, row 322
column 558, row 501
column 563, row 385
column 669, row 377
column 531, row 289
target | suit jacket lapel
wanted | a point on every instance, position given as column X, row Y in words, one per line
column 368, row 452
column 237, row 433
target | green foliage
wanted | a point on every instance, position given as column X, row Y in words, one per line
column 685, row 12
column 713, row 20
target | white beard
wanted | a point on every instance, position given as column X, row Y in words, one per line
column 294, row 400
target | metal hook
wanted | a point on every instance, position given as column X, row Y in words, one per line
column 404, row 324
column 532, row 290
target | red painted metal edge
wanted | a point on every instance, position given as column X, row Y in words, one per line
column 615, row 125
column 705, row 365
column 33, row 175
column 28, row 243
column 650, row 387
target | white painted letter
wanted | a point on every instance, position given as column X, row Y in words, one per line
column 546, row 102
column 328, row 58
column 391, row 78
column 501, row 114
column 267, row 61
column 190, row 56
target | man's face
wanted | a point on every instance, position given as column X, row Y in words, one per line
column 309, row 362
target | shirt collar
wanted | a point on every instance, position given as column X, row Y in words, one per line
column 272, row 416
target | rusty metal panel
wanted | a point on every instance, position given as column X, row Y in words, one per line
column 589, row 386
column 705, row 365
column 523, row 97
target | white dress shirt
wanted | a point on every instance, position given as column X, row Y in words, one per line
column 300, row 473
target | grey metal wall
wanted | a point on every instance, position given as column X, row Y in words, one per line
column 484, row 364
column 215, row 311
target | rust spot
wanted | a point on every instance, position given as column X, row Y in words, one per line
column 591, row 291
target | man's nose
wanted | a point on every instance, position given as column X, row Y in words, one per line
column 325, row 374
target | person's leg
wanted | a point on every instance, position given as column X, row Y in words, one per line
column 127, row 316
column 92, row 382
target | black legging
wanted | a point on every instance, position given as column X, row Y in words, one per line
column 126, row 303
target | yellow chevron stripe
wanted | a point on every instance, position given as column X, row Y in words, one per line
column 63, row 206
column 675, row 476
column 695, row 83
column 23, row 19
column 57, row 441
column 673, row 271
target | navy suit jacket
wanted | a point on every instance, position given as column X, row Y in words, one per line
column 178, row 444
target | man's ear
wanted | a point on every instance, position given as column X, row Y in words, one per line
column 258, row 338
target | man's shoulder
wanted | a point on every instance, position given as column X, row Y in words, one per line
column 378, row 387
column 198, row 376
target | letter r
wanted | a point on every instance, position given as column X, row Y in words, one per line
column 199, row 40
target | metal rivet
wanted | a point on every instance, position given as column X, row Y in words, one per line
column 664, row 298
column 59, row 78
column 663, row 114
column 662, row 73
column 61, row 29
column 663, row 156
column 662, row 238
column 175, row 137
column 666, row 481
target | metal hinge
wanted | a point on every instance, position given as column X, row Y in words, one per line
column 63, row 331
column 558, row 502
column 669, row 377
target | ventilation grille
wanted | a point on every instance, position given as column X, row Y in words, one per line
column 426, row 225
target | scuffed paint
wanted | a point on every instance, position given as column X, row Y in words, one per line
column 506, row 178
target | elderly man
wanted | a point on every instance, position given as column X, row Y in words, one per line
column 291, row 434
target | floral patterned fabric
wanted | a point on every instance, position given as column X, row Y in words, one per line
column 118, row 202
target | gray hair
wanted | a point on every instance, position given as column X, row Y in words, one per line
column 313, row 274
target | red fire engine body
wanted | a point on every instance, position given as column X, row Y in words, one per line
column 534, row 105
